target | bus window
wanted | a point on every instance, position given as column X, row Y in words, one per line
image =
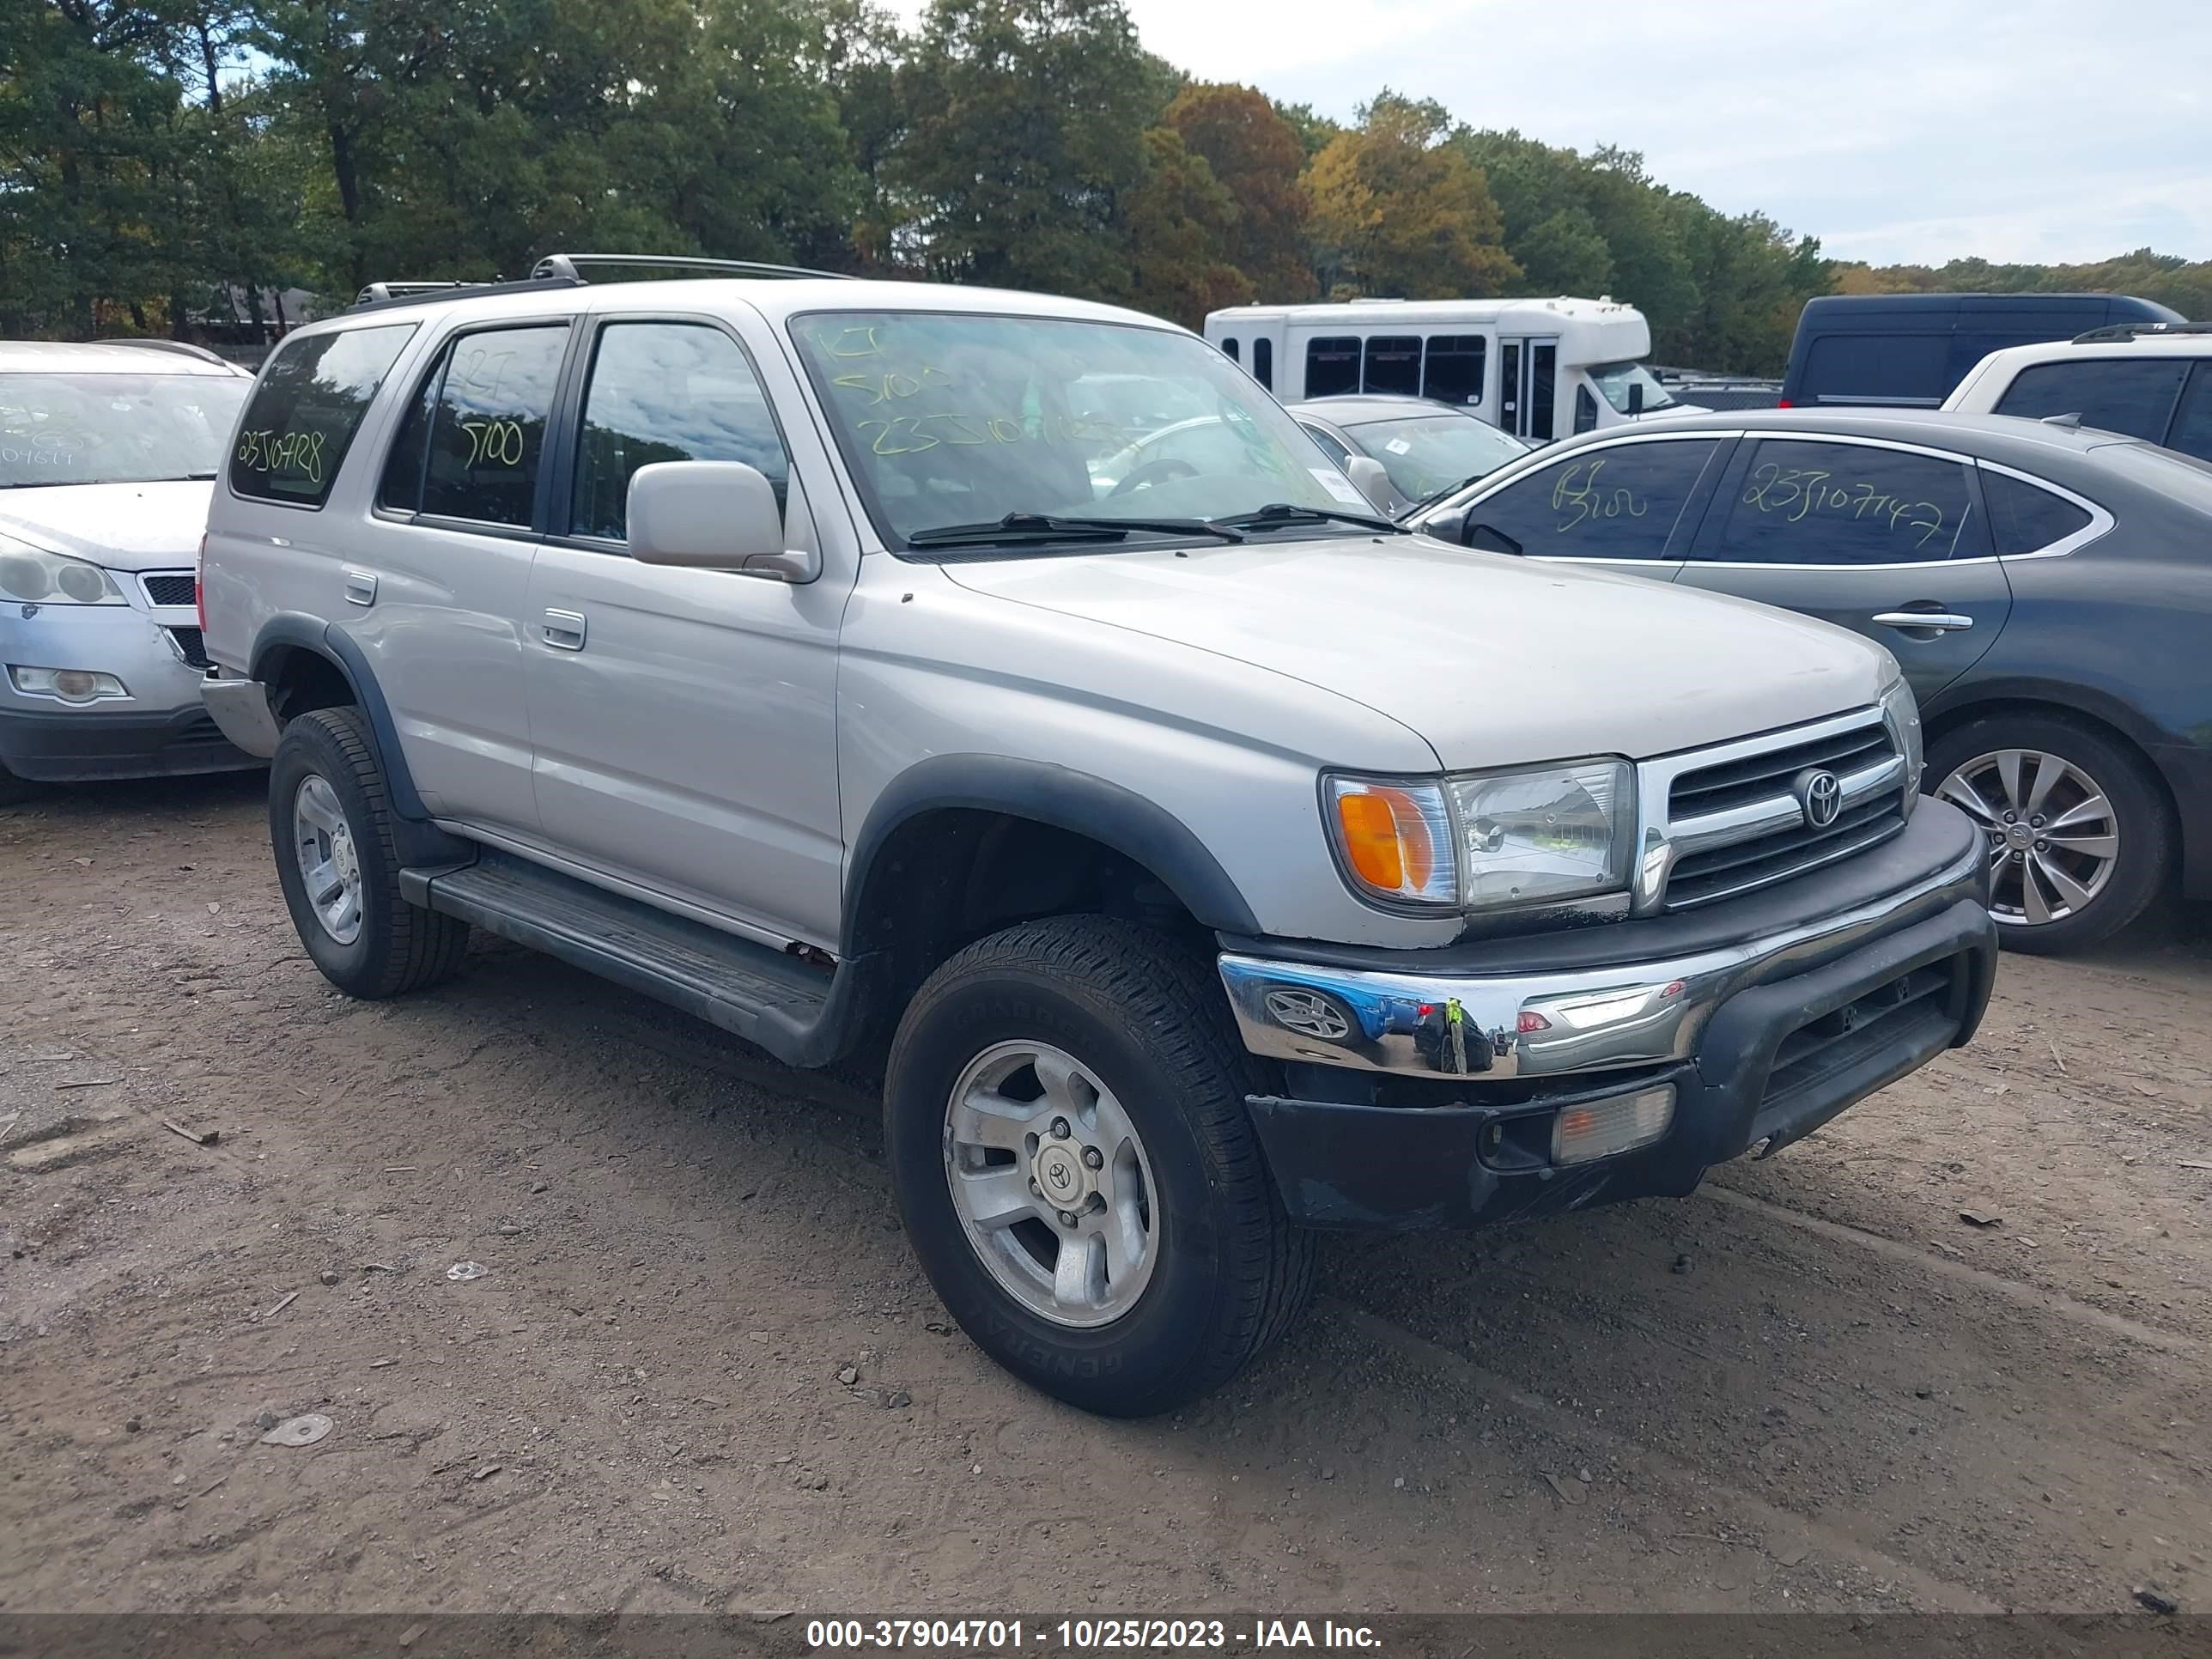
column 1263, row 361
column 1228, row 347
column 1454, row 372
column 1543, row 375
column 1393, row 365
column 1332, row 366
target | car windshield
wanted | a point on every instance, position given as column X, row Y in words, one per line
column 952, row 420
column 114, row 429
column 1612, row 381
column 1426, row 453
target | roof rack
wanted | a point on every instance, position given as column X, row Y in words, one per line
column 565, row 264
column 182, row 347
column 378, row 296
column 2115, row 332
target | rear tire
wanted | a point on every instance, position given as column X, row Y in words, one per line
column 329, row 825
column 2079, row 830
column 1187, row 1267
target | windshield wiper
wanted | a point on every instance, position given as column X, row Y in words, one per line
column 1436, row 495
column 1054, row 527
column 1285, row 512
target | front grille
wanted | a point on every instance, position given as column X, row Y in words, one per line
column 1740, row 824
column 1702, row 877
column 201, row 728
column 1915, row 1011
column 189, row 646
column 1759, row 777
column 169, row 587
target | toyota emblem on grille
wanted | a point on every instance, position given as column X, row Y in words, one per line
column 1309, row 1014
column 1821, row 796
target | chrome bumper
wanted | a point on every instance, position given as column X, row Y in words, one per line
column 240, row 707
column 1546, row 1024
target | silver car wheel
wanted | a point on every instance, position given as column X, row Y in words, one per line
column 330, row 862
column 2054, row 839
column 1051, row 1183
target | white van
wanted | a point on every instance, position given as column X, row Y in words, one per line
column 1537, row 368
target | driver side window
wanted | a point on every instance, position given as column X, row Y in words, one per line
column 1613, row 502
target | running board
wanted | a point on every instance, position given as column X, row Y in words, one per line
column 748, row 989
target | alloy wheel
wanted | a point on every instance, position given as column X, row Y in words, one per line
column 2053, row 837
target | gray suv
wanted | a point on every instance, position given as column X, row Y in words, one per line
column 1200, row 858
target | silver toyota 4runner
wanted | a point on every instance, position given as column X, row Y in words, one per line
column 1203, row 859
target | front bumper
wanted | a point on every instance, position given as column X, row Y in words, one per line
column 158, row 730
column 1433, row 1095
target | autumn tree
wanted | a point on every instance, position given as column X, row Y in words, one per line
column 1258, row 158
column 1179, row 222
column 1403, row 212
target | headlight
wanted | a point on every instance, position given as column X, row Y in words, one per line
column 40, row 578
column 1900, row 709
column 1559, row 832
column 1540, row 835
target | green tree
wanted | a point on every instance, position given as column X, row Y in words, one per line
column 1023, row 136
column 1178, row 222
column 1402, row 212
column 1258, row 157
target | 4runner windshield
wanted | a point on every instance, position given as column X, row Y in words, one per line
column 114, row 429
column 956, row 423
column 1613, row 380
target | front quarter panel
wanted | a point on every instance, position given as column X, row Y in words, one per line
column 1230, row 752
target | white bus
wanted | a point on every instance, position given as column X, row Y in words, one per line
column 1537, row 368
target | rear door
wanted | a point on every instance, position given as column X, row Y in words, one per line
column 1889, row 540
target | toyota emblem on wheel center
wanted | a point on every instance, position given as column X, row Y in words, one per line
column 1819, row 796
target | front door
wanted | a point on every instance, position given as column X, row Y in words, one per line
column 1889, row 541
column 684, row 721
column 1528, row 386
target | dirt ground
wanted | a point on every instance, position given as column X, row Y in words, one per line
column 1814, row 1385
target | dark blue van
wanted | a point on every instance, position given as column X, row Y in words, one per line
column 1912, row 348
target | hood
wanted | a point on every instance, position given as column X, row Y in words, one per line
column 1495, row 661
column 124, row 527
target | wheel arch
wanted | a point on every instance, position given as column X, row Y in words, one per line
column 296, row 649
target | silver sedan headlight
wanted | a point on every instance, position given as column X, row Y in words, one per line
column 35, row 576
column 1487, row 841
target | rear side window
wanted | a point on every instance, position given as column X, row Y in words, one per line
column 2024, row 519
column 1617, row 502
column 1332, row 367
column 2193, row 421
column 471, row 445
column 1228, row 347
column 1846, row 504
column 1453, row 374
column 2134, row 396
column 1393, row 365
column 1872, row 368
column 667, row 391
column 305, row 409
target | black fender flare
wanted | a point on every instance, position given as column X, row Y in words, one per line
column 1140, row 830
column 419, row 842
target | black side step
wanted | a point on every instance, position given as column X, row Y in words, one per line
column 793, row 1011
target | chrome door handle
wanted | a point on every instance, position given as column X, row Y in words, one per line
column 360, row 587
column 1944, row 622
column 564, row 631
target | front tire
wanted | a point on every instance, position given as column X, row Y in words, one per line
column 329, row 826
column 1073, row 1158
column 2077, row 827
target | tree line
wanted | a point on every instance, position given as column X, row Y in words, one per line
column 174, row 166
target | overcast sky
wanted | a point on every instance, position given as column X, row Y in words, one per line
column 1892, row 130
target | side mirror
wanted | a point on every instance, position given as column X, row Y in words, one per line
column 1485, row 538
column 713, row 515
column 1367, row 476
column 1449, row 525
